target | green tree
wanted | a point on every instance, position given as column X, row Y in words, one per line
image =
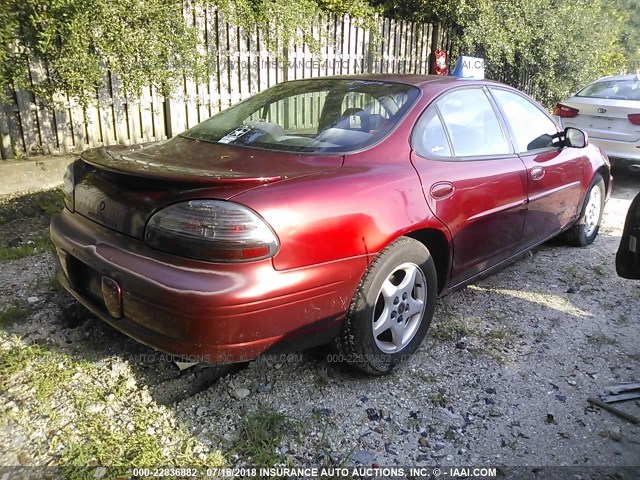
column 627, row 13
column 548, row 47
column 144, row 42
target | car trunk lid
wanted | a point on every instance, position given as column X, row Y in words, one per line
column 120, row 187
column 605, row 118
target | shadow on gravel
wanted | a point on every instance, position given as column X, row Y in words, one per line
column 167, row 383
column 626, row 184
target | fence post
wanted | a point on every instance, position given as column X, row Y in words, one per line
column 435, row 39
column 6, row 152
column 174, row 113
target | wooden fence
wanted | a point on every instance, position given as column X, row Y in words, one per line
column 242, row 67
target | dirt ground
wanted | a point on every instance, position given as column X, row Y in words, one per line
column 501, row 381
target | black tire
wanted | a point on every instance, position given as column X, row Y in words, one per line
column 379, row 353
column 585, row 230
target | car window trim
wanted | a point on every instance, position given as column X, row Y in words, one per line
column 537, row 151
column 431, row 107
column 475, row 158
column 505, row 134
column 456, row 158
column 501, row 120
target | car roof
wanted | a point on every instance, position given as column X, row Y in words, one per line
column 409, row 79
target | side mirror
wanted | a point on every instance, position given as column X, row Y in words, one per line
column 576, row 138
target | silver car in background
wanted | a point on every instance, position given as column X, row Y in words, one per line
column 609, row 111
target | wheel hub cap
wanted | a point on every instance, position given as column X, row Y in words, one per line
column 399, row 308
column 592, row 212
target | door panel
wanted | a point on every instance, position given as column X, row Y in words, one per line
column 471, row 181
column 482, row 202
column 554, row 184
column 554, row 173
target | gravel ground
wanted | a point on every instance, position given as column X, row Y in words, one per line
column 501, row 381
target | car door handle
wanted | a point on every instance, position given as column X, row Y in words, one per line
column 442, row 190
column 537, row 173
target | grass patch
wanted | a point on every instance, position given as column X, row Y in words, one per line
column 600, row 269
column 136, row 443
column 438, row 399
column 41, row 204
column 601, row 340
column 45, row 370
column 501, row 334
column 38, row 245
column 260, row 433
column 571, row 270
column 450, row 329
column 100, row 417
column 12, row 314
column 573, row 273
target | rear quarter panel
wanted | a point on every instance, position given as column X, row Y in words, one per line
column 355, row 211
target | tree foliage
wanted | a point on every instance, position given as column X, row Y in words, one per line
column 558, row 45
column 144, row 42
column 71, row 41
column 627, row 13
column 551, row 47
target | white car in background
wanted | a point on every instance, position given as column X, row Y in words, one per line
column 609, row 111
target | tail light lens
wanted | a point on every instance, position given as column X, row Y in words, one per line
column 634, row 118
column 565, row 111
column 211, row 230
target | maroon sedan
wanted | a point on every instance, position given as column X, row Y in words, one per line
column 318, row 210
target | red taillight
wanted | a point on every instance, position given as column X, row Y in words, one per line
column 564, row 111
column 211, row 230
column 634, row 118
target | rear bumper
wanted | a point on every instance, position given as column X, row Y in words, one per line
column 216, row 313
column 621, row 154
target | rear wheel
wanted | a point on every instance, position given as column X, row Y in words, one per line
column 585, row 230
column 392, row 309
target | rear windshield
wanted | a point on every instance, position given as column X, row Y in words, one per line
column 323, row 115
column 613, row 89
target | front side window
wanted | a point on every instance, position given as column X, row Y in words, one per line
column 472, row 124
column 322, row 115
column 531, row 129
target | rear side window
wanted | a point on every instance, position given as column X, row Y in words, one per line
column 531, row 129
column 429, row 138
column 472, row 124
column 613, row 89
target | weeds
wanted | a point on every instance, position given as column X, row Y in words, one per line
column 107, row 425
column 37, row 245
column 12, row 314
column 450, row 329
column 601, row 269
column 438, row 399
column 501, row 334
column 601, row 340
column 41, row 204
column 260, row 433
